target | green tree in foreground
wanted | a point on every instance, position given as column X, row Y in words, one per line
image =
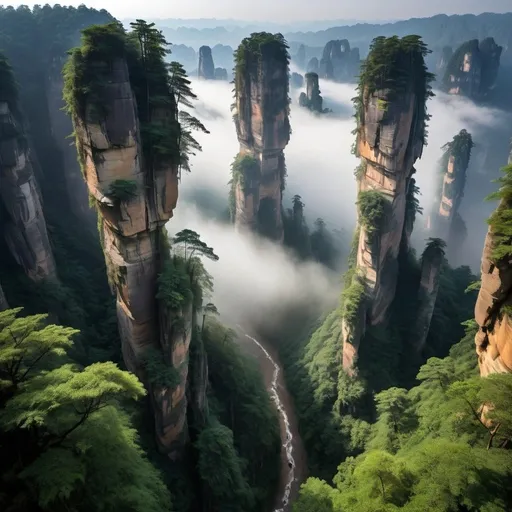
column 66, row 443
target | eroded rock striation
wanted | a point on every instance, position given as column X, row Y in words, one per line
column 473, row 68
column 134, row 182
column 391, row 116
column 263, row 130
column 206, row 68
column 24, row 225
column 493, row 309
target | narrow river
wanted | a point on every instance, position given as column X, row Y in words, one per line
column 293, row 456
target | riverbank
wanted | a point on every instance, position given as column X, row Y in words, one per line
column 293, row 456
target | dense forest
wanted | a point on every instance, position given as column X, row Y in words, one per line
column 124, row 387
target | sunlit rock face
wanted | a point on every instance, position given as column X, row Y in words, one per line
column 263, row 130
column 493, row 307
column 390, row 138
column 473, row 68
column 206, row 68
column 109, row 143
column 25, row 226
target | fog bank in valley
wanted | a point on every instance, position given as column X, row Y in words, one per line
column 255, row 272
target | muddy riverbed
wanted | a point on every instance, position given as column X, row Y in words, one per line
column 293, row 455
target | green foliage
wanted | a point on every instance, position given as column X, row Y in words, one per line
column 160, row 372
column 460, row 147
column 223, row 484
column 122, row 190
column 66, row 442
column 429, row 449
column 372, row 207
column 352, row 299
column 245, row 169
column 174, row 286
column 501, row 219
column 190, row 241
column 240, row 401
column 396, row 65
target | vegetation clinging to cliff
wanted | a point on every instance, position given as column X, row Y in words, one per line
column 259, row 44
column 396, row 65
column 460, row 148
column 372, row 206
column 501, row 219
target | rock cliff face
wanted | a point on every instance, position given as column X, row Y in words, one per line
column 136, row 193
column 443, row 59
column 339, row 62
column 493, row 309
column 263, row 129
column 61, row 127
column 454, row 165
column 431, row 262
column 206, row 67
column 312, row 99
column 390, row 137
column 473, row 69
column 24, row 227
column 300, row 57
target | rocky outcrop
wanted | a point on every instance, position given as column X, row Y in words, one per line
column 339, row 62
column 312, row 99
column 493, row 309
column 296, row 81
column 263, row 130
column 390, row 137
column 206, row 68
column 431, row 263
column 25, row 226
column 221, row 74
column 473, row 69
column 313, row 65
column 61, row 127
column 135, row 193
column 454, row 165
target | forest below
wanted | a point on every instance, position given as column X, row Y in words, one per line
column 123, row 385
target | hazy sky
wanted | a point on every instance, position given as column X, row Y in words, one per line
column 290, row 10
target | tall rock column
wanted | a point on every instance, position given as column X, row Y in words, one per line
column 312, row 98
column 454, row 165
column 431, row 263
column 391, row 116
column 493, row 309
column 132, row 173
column 206, row 68
column 25, row 226
column 263, row 130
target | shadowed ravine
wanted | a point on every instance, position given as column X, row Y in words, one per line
column 293, row 459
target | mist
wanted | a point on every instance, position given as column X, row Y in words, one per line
column 257, row 276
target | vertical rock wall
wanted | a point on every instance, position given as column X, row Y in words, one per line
column 109, row 143
column 431, row 263
column 61, row 128
column 454, row 165
column 206, row 68
column 25, row 226
column 473, row 68
column 494, row 304
column 312, row 99
column 263, row 130
column 339, row 62
column 390, row 137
